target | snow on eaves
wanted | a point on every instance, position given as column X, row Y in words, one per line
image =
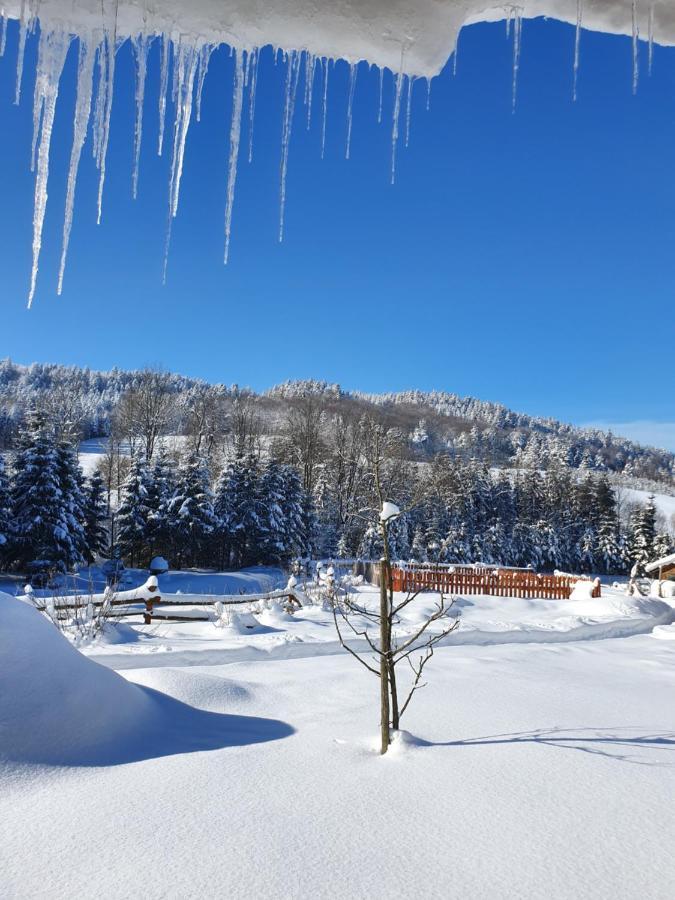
column 417, row 36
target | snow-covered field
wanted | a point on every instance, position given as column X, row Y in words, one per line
column 236, row 762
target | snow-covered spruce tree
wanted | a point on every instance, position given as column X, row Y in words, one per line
column 641, row 536
column 273, row 540
column 71, row 482
column 192, row 520
column 39, row 516
column 240, row 512
column 387, row 649
column 663, row 545
column 4, row 513
column 131, row 521
column 95, row 516
column 160, row 490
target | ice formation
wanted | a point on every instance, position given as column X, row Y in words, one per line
column 411, row 39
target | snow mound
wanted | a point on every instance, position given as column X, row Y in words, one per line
column 275, row 615
column 583, row 590
column 60, row 708
column 197, row 689
column 664, row 632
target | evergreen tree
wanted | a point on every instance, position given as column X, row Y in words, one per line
column 240, row 512
column 71, row 483
column 4, row 513
column 95, row 515
column 161, row 489
column 299, row 521
column 133, row 513
column 663, row 545
column 40, row 522
column 642, row 536
column 191, row 516
column 273, row 537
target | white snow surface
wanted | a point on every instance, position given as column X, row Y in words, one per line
column 524, row 771
column 59, row 708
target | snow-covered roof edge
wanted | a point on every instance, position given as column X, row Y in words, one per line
column 415, row 36
column 659, row 563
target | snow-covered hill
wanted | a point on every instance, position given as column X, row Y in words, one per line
column 433, row 422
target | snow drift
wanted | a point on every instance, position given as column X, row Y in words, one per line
column 60, row 708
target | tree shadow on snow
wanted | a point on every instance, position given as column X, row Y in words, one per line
column 170, row 728
column 623, row 744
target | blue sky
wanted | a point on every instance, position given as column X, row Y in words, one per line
column 523, row 258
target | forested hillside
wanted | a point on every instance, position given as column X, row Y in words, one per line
column 89, row 404
column 221, row 476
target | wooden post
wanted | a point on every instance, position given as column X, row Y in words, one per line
column 147, row 615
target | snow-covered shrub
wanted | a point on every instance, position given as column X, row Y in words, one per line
column 81, row 618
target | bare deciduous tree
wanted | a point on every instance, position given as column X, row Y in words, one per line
column 146, row 410
column 205, row 417
column 388, row 649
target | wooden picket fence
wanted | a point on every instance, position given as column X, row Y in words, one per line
column 495, row 582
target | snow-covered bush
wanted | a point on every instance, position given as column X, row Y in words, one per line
column 82, row 618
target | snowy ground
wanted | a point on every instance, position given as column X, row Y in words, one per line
column 537, row 769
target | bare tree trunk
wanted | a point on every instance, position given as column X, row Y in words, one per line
column 385, row 579
column 384, row 661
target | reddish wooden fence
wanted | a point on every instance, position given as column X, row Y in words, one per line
column 496, row 582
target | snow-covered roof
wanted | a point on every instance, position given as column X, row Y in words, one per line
column 660, row 563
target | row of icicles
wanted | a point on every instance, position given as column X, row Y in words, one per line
column 94, row 95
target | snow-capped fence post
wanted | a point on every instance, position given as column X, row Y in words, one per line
column 150, row 586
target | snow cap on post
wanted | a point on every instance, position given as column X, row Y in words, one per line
column 389, row 511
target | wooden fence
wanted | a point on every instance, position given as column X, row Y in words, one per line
column 495, row 582
column 144, row 600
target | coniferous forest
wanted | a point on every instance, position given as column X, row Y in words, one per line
column 225, row 479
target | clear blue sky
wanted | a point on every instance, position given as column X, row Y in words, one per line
column 526, row 258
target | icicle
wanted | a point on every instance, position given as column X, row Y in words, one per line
column 292, row 69
column 251, row 101
column 163, row 88
column 235, row 133
column 3, row 33
column 23, row 28
column 651, row 38
column 395, row 116
column 428, row 93
column 577, row 48
column 204, row 57
column 455, row 55
column 324, row 105
column 140, row 45
column 305, row 96
column 99, row 105
column 52, row 51
column 636, row 58
column 108, row 76
column 309, row 76
column 85, row 79
column 353, row 72
column 185, row 67
column 517, row 32
column 379, row 107
column 411, row 82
